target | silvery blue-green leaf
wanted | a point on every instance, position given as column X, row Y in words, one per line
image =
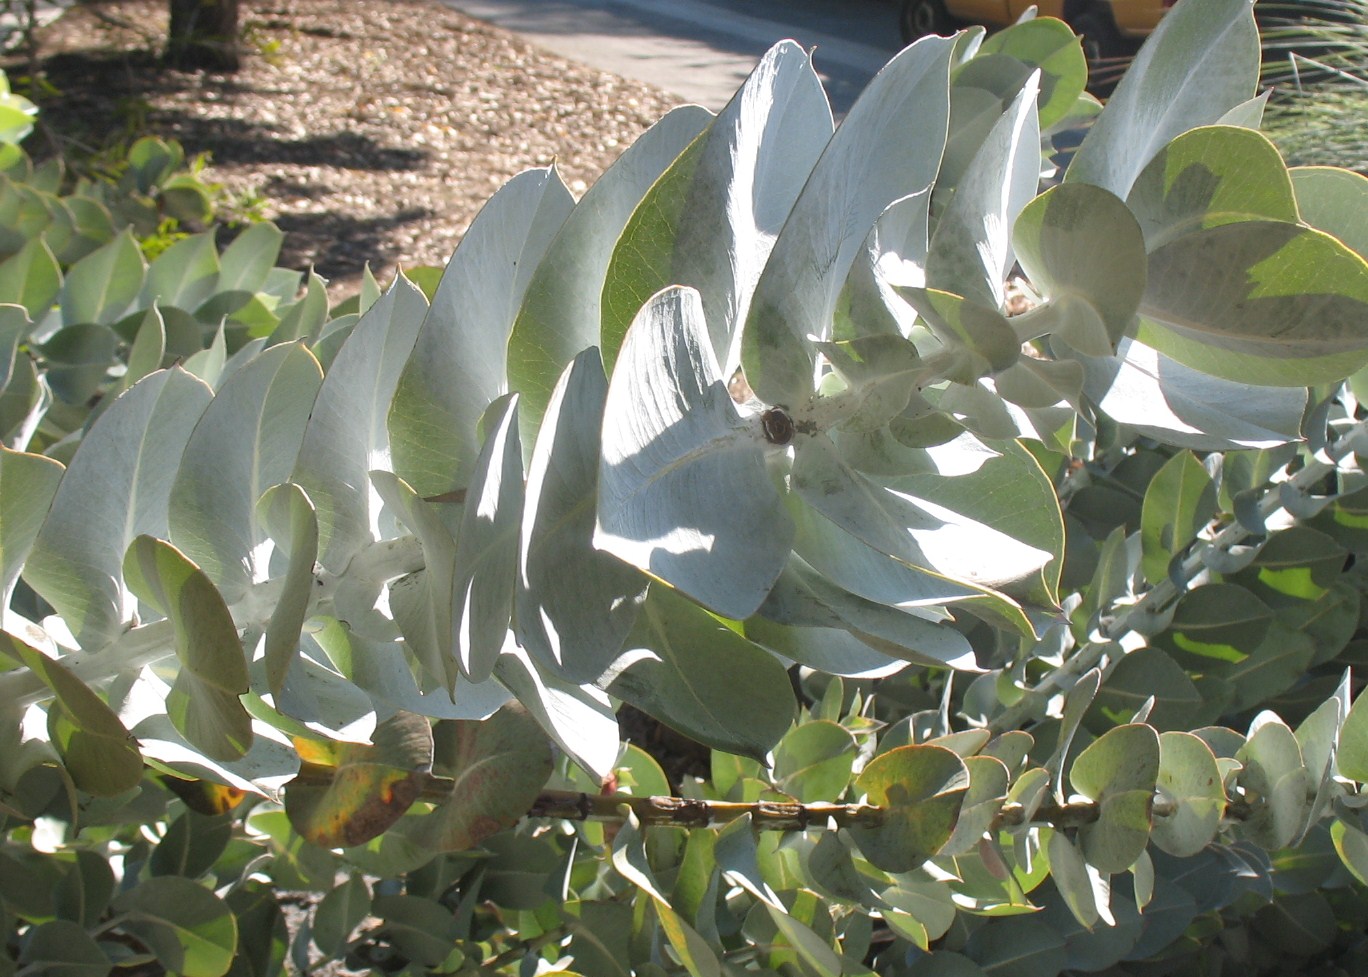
column 888, row 147
column 977, row 340
column 574, row 604
column 78, row 359
column 1175, row 404
column 102, row 285
column 1076, row 703
column 14, row 327
column 32, row 278
column 684, row 493
column 894, row 254
column 246, row 441
column 148, row 349
column 120, row 490
column 1082, row 248
column 203, row 702
column 1334, row 200
column 561, row 314
column 1189, row 778
column 486, row 564
column 306, row 318
column 313, row 700
column 1118, row 772
column 421, row 602
column 712, row 218
column 1047, row 44
column 460, row 359
column 247, row 261
column 835, row 651
column 803, row 598
column 346, row 437
column 23, row 404
column 27, row 485
column 183, row 275
column 971, row 249
column 853, row 565
column 208, row 364
column 1072, row 879
column 693, row 673
column 1207, row 177
column 1275, row 773
column 939, row 523
column 288, row 517
column 580, row 718
column 1258, row 302
column 62, row 948
column 1249, row 113
column 1318, row 737
column 1180, row 500
column 988, row 780
column 1201, row 61
column 381, row 669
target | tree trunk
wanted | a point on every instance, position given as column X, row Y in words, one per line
column 203, row 35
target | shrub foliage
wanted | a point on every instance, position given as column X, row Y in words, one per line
column 1014, row 614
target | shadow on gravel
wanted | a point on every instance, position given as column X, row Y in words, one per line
column 338, row 246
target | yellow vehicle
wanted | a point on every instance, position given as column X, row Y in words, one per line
column 1110, row 28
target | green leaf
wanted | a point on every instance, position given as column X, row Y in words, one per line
column 1351, row 756
column 971, row 251
column 1118, row 772
column 203, row 702
column 684, row 493
column 289, row 518
column 1019, row 947
column 988, row 780
column 1141, row 674
column 569, row 607
column 97, row 749
column 1048, row 44
column 1180, row 500
column 977, row 339
column 695, row 674
column 184, row 275
column 423, row 930
column 580, row 718
column 1082, row 248
column 1201, row 61
column 812, row 950
column 1189, row 778
column 339, row 913
column 27, row 485
column 31, row 278
column 1175, row 404
column 460, row 359
column 1332, row 200
column 192, row 844
column 487, row 545
column 1208, row 177
column 1079, row 887
column 1351, row 845
column 1218, row 621
column 923, row 789
column 305, row 319
column 813, row 761
column 711, row 219
column 348, row 793
column 888, row 147
column 561, row 314
column 245, row 263
column 247, row 440
column 943, row 521
column 1259, row 301
column 1276, row 784
column 499, row 766
column 119, row 490
column 191, row 930
column 101, row 286
column 61, row 948
column 346, row 430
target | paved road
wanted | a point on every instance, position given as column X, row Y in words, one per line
column 703, row 49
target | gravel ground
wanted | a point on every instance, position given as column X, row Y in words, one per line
column 369, row 130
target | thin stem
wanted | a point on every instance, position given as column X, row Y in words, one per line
column 1031, row 707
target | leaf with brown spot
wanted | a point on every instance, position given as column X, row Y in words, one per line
column 499, row 766
column 348, row 793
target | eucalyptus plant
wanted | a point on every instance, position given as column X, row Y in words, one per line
column 996, row 546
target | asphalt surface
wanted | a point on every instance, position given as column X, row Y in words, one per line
column 702, row 50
